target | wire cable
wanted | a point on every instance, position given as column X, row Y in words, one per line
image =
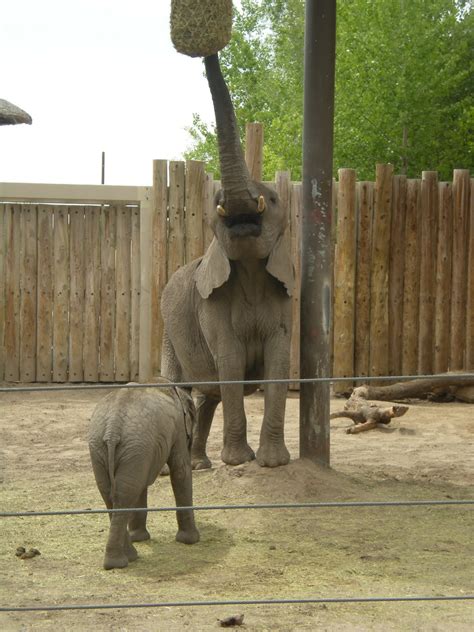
column 238, row 602
column 317, row 505
column 310, row 380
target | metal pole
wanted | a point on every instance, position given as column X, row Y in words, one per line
column 103, row 168
column 316, row 264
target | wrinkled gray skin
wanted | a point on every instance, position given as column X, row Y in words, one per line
column 133, row 434
column 227, row 315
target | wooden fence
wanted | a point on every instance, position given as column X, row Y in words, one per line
column 70, row 282
column 82, row 270
column 404, row 274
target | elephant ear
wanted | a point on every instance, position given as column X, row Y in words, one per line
column 189, row 412
column 279, row 263
column 213, row 271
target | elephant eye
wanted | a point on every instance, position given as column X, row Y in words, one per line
column 273, row 199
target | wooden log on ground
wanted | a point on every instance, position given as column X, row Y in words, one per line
column 418, row 387
column 367, row 415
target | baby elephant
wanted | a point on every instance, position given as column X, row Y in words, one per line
column 133, row 434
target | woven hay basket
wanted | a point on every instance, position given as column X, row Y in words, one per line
column 200, row 27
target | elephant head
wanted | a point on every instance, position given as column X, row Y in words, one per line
column 248, row 220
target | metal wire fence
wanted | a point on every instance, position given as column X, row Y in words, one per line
column 312, row 380
column 241, row 602
column 321, row 505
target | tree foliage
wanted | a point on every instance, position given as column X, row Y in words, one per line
column 404, row 84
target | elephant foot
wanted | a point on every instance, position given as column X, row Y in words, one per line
column 188, row 537
column 115, row 561
column 200, row 462
column 139, row 535
column 131, row 552
column 273, row 455
column 237, row 454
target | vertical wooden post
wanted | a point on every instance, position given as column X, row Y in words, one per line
column 92, row 248
column 123, row 303
column 469, row 364
column 146, row 261
column 429, row 234
column 108, row 221
column 12, row 293
column 283, row 188
column 295, row 224
column 194, row 215
column 135, row 298
column 379, row 283
column 461, row 186
column 2, row 290
column 344, row 280
column 334, row 191
column 176, row 234
column 254, row 150
column 442, row 316
column 365, row 202
column 76, row 293
column 28, row 293
column 208, row 209
column 160, row 256
column 316, row 224
column 61, row 295
column 411, row 280
column 397, row 264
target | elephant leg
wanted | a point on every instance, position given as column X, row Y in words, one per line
column 137, row 521
column 272, row 451
column 236, row 450
column 181, row 482
column 205, row 409
column 115, row 550
column 130, row 550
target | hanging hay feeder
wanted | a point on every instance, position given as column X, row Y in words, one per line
column 12, row 115
column 200, row 27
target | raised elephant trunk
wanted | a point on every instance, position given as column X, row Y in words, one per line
column 240, row 194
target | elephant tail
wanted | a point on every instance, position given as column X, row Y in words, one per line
column 111, row 443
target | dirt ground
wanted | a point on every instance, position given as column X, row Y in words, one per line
column 253, row 554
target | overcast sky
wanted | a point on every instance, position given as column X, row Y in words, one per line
column 95, row 75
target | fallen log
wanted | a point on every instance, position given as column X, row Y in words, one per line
column 447, row 388
column 367, row 415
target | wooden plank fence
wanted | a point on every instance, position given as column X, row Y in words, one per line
column 82, row 270
column 70, row 283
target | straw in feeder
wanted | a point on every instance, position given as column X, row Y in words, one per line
column 200, row 27
column 12, row 115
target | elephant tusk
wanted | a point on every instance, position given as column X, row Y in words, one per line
column 261, row 204
column 221, row 211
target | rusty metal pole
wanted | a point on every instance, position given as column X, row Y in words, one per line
column 316, row 264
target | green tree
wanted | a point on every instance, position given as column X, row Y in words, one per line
column 404, row 84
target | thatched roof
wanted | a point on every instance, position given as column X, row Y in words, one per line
column 12, row 115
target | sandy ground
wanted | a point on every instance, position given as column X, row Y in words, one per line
column 427, row 454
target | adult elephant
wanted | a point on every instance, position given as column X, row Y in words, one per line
column 227, row 315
